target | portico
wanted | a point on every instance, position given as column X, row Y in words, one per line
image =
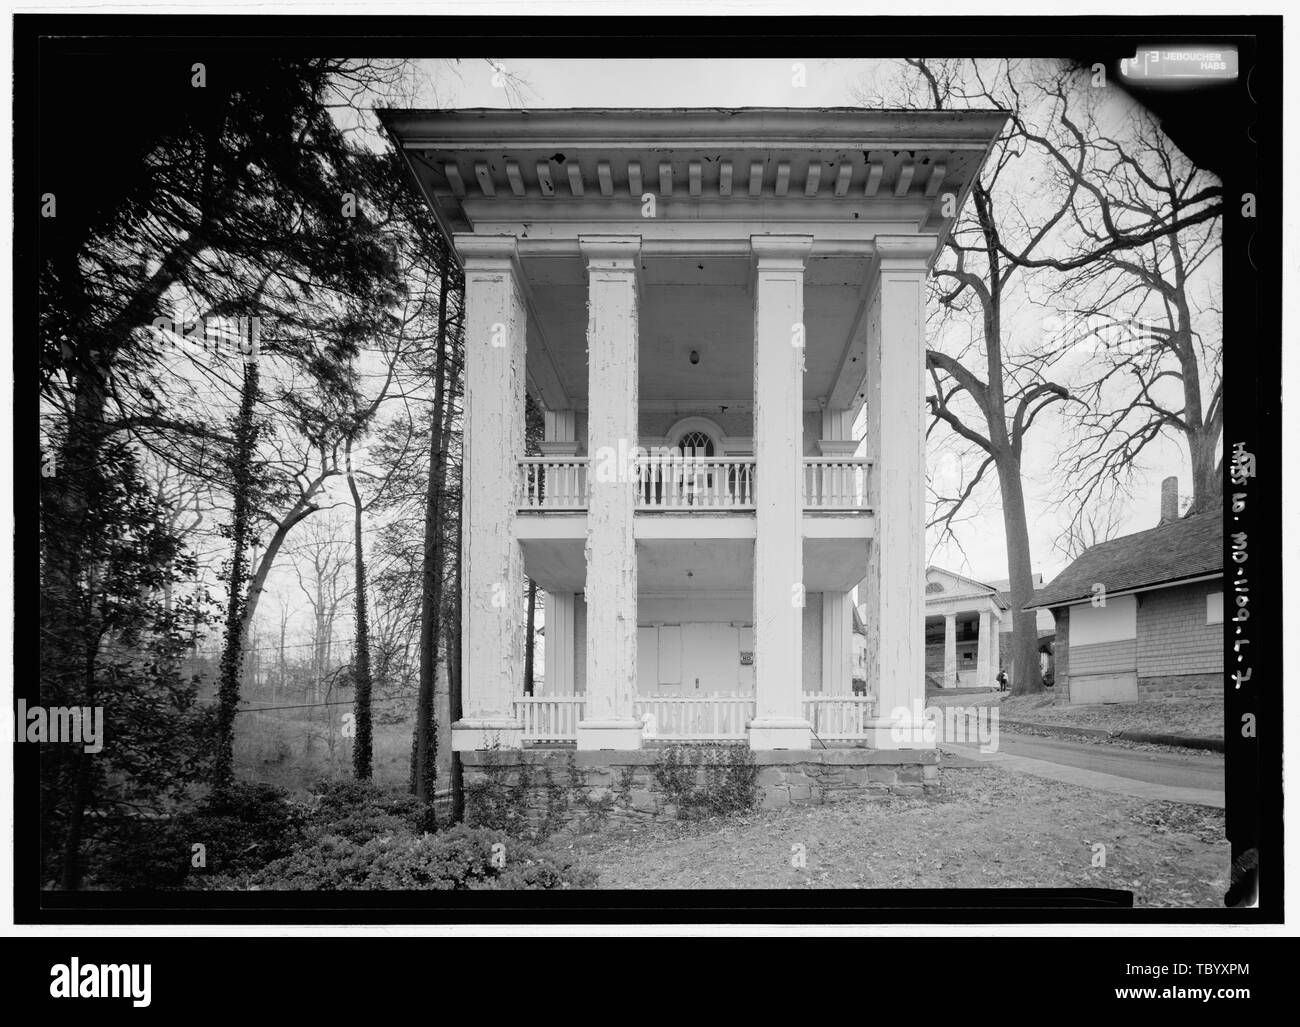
column 722, row 316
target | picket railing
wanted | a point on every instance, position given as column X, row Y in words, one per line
column 694, row 717
column 672, row 718
column 836, row 483
column 838, row 718
column 550, row 718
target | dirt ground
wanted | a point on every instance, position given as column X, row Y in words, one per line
column 985, row 828
column 1197, row 718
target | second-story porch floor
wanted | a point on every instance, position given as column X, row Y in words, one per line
column 694, row 523
column 709, row 552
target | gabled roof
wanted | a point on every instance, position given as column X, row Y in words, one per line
column 1191, row 547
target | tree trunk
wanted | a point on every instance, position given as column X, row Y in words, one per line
column 1027, row 678
column 301, row 510
column 530, row 639
column 1207, row 483
column 362, row 744
column 424, row 771
column 284, row 621
column 454, row 682
column 241, row 485
column 71, row 877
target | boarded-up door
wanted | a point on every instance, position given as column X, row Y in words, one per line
column 710, row 655
column 647, row 660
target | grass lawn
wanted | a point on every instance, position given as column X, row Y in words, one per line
column 1196, row 718
column 985, row 828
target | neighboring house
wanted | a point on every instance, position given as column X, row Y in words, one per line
column 1141, row 616
column 702, row 303
column 962, row 630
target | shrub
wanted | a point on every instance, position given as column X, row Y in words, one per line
column 730, row 782
column 244, row 827
column 495, row 801
column 459, row 859
column 359, row 811
column 240, row 829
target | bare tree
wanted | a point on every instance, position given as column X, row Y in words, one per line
column 1036, row 206
column 1145, row 317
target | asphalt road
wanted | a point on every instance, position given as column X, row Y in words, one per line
column 1162, row 768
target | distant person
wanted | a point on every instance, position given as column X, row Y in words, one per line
column 1002, row 681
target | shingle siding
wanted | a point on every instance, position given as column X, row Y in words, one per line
column 1104, row 658
column 1173, row 638
column 1177, row 654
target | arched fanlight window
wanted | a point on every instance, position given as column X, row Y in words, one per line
column 695, row 443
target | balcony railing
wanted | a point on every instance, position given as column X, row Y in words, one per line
column 553, row 483
column 836, row 483
column 693, row 484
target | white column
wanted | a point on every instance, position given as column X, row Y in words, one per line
column 558, row 433
column 837, row 643
column 949, row 650
column 492, row 578
column 837, row 434
column 982, row 651
column 779, row 596
column 559, row 643
column 895, row 404
column 611, row 593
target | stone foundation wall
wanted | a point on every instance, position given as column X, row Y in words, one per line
column 1178, row 686
column 591, row 789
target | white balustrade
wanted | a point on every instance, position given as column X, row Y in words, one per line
column 836, row 483
column 670, row 481
column 553, row 483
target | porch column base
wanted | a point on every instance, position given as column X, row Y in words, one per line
column 900, row 733
column 486, row 733
column 609, row 734
column 779, row 733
